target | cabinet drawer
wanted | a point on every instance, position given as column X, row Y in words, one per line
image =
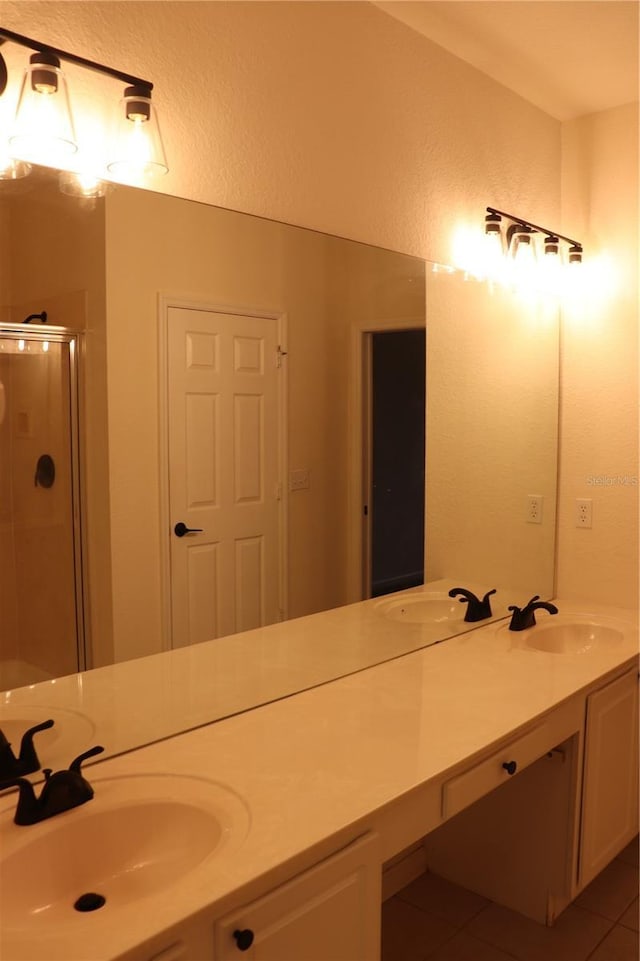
column 463, row 790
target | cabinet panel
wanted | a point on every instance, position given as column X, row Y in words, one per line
column 330, row 911
column 610, row 786
column 187, row 942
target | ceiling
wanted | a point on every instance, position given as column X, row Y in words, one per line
column 568, row 57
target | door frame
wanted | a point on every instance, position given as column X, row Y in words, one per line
column 165, row 302
column 360, row 460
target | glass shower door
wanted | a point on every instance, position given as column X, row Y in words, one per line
column 40, row 595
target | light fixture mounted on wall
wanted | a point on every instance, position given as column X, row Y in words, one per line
column 43, row 130
column 528, row 252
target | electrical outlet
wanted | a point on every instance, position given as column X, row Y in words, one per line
column 534, row 508
column 583, row 512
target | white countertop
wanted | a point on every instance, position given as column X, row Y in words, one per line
column 310, row 766
column 132, row 703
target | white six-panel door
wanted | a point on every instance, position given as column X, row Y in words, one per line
column 223, row 453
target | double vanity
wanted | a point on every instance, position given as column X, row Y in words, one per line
column 504, row 760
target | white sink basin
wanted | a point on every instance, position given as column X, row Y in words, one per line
column 576, row 638
column 427, row 607
column 138, row 836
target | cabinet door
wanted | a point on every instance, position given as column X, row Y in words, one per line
column 610, row 786
column 329, row 913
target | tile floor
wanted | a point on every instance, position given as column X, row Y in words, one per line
column 439, row 921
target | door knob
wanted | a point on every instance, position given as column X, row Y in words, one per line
column 510, row 767
column 181, row 529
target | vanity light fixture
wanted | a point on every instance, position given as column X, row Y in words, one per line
column 43, row 130
column 533, row 253
column 525, row 232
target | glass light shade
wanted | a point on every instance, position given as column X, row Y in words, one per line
column 494, row 254
column 10, row 168
column 524, row 260
column 551, row 267
column 83, row 185
column 43, row 130
column 136, row 147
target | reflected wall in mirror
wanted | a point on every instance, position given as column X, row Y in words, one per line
column 101, row 267
column 111, row 269
column 492, row 434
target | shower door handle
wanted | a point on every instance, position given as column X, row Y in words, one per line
column 181, row 529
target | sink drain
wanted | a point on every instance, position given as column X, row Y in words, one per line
column 90, row 902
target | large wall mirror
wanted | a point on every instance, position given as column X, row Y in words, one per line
column 163, row 291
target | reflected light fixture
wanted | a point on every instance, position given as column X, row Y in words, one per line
column 82, row 185
column 493, row 249
column 43, row 130
column 533, row 252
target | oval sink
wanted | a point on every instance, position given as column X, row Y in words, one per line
column 572, row 638
column 423, row 608
column 138, row 836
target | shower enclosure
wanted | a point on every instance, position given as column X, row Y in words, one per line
column 41, row 595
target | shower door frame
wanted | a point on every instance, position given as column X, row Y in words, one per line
column 66, row 335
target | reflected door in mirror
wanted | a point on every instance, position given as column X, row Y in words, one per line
column 224, row 483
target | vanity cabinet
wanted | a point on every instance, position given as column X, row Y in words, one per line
column 610, row 785
column 331, row 911
column 508, row 819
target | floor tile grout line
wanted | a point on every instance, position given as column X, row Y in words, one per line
column 475, row 938
column 446, row 941
column 597, row 946
column 598, row 913
column 484, row 907
column 492, row 944
column 439, row 917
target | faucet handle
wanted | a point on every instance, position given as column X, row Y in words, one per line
column 75, row 764
column 26, row 762
column 525, row 617
column 477, row 610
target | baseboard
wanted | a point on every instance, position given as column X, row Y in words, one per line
column 400, row 871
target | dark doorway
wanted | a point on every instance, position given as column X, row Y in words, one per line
column 398, row 440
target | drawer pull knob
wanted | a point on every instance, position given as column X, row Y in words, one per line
column 510, row 767
column 244, row 939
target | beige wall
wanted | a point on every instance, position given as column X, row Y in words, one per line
column 599, row 415
column 492, row 427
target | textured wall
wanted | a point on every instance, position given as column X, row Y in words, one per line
column 329, row 115
column 492, row 427
column 599, row 413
